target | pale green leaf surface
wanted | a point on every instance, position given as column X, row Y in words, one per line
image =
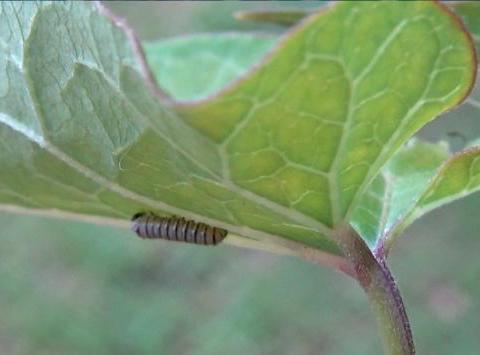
column 81, row 133
column 397, row 189
column 193, row 67
column 458, row 177
column 286, row 152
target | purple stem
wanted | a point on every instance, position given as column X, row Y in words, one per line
column 376, row 279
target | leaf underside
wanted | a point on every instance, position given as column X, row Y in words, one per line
column 194, row 67
column 288, row 151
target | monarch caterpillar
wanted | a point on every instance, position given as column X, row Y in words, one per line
column 150, row 226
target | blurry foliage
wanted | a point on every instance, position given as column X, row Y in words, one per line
column 70, row 288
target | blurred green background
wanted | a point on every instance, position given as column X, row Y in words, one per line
column 72, row 288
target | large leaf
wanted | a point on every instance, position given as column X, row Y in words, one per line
column 412, row 184
column 332, row 111
column 81, row 133
column 286, row 152
column 393, row 194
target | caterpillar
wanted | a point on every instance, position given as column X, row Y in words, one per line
column 150, row 226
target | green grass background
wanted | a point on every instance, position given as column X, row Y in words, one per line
column 73, row 288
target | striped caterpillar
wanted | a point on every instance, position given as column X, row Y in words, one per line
column 150, row 226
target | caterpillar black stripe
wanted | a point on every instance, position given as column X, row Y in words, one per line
column 150, row 226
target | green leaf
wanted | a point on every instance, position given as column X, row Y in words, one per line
column 460, row 174
column 428, row 186
column 468, row 11
column 311, row 128
column 193, row 67
column 458, row 177
column 397, row 189
column 82, row 134
column 282, row 156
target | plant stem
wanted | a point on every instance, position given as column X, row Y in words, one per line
column 378, row 283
